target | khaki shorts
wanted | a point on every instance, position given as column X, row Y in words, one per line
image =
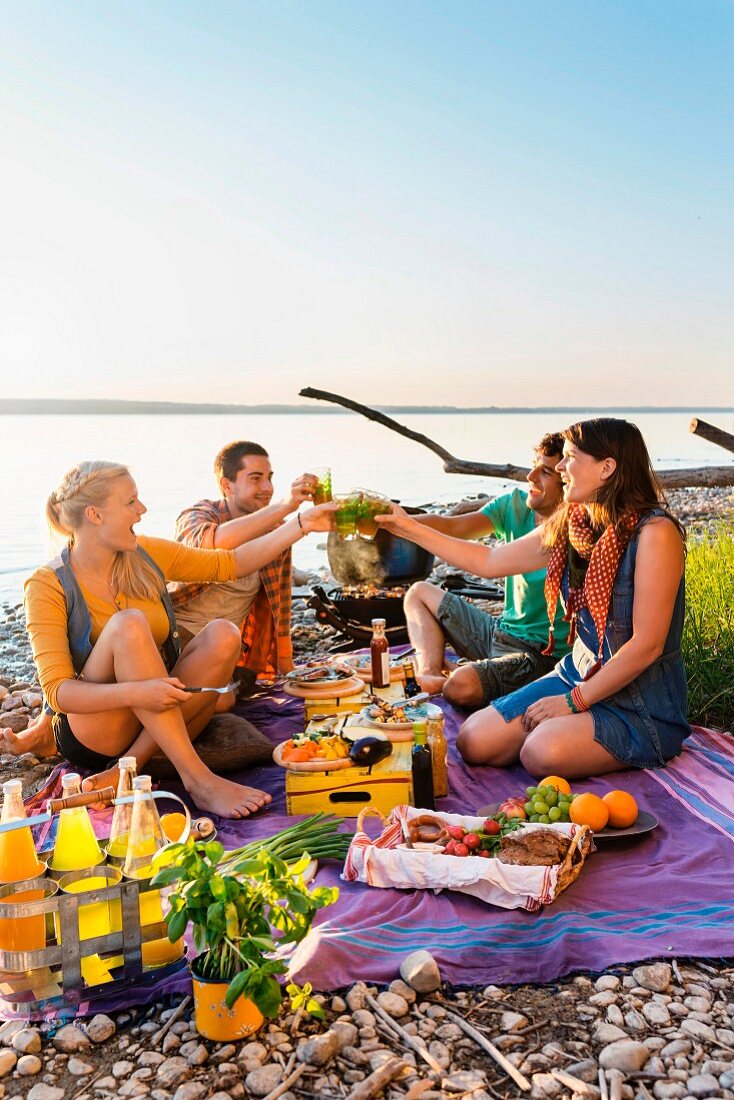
column 502, row 662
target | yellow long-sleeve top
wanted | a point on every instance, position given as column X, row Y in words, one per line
column 46, row 616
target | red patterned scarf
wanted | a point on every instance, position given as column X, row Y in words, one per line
column 603, row 556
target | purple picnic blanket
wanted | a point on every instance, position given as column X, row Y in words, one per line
column 666, row 893
column 669, row 892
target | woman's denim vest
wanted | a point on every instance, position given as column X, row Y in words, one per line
column 79, row 622
column 659, row 695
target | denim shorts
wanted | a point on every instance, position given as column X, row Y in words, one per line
column 502, row 662
column 617, row 727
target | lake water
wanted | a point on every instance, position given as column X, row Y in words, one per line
column 171, row 459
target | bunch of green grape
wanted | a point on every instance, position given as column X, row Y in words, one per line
column 546, row 804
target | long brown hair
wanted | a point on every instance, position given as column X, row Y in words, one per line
column 632, row 487
column 90, row 483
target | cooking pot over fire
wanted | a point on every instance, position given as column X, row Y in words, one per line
column 387, row 560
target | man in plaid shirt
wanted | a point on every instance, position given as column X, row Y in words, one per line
column 260, row 604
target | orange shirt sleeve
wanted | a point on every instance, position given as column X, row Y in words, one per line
column 46, row 618
column 178, row 562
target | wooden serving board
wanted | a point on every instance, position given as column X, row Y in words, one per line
column 341, row 690
column 310, row 765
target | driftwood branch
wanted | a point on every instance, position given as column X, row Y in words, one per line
column 451, row 464
column 670, row 479
column 172, row 1019
column 712, row 433
column 376, row 1081
column 404, row 1035
column 512, row 1071
column 284, row 1086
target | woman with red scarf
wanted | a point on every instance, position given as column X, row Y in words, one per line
column 615, row 556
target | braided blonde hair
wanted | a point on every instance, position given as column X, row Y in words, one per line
column 89, row 484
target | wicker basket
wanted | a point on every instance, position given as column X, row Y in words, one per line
column 386, row 862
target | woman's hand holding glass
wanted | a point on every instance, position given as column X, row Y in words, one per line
column 319, row 518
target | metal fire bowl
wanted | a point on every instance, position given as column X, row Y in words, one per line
column 387, row 560
column 356, row 624
column 363, row 609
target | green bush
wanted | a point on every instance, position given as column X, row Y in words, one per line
column 708, row 630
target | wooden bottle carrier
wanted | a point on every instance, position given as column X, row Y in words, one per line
column 32, row 982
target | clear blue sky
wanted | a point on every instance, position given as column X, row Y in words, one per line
column 511, row 203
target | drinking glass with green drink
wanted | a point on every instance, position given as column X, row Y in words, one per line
column 322, row 492
column 372, row 504
column 346, row 516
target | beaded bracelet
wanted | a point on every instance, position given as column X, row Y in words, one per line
column 580, row 704
column 571, row 705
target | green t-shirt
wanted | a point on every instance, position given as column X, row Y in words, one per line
column 525, row 613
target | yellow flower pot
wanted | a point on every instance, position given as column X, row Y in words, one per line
column 212, row 1017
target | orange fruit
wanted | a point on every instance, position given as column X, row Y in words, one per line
column 173, row 826
column 589, row 809
column 561, row 785
column 622, row 808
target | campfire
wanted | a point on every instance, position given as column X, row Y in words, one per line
column 373, row 591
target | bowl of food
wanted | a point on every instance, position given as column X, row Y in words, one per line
column 398, row 718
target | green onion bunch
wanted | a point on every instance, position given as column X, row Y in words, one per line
column 317, row 836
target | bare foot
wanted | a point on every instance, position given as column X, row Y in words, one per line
column 37, row 738
column 212, row 793
column 227, row 799
column 108, row 778
column 432, row 682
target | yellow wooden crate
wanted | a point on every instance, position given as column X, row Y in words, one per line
column 346, row 792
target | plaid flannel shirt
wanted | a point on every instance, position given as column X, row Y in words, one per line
column 266, row 634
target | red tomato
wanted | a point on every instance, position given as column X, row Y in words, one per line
column 456, row 832
column 491, row 827
column 461, row 850
column 472, row 841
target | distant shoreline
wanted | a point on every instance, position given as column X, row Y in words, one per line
column 52, row 407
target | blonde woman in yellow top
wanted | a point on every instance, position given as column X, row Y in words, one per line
column 104, row 637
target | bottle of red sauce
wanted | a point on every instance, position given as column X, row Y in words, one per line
column 380, row 655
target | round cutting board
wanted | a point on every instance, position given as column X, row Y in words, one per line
column 310, row 765
column 341, row 690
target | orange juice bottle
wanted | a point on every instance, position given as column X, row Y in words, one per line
column 76, row 845
column 18, row 861
column 145, row 839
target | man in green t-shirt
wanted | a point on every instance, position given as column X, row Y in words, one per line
column 503, row 654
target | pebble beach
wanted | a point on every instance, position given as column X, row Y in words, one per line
column 662, row 1029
